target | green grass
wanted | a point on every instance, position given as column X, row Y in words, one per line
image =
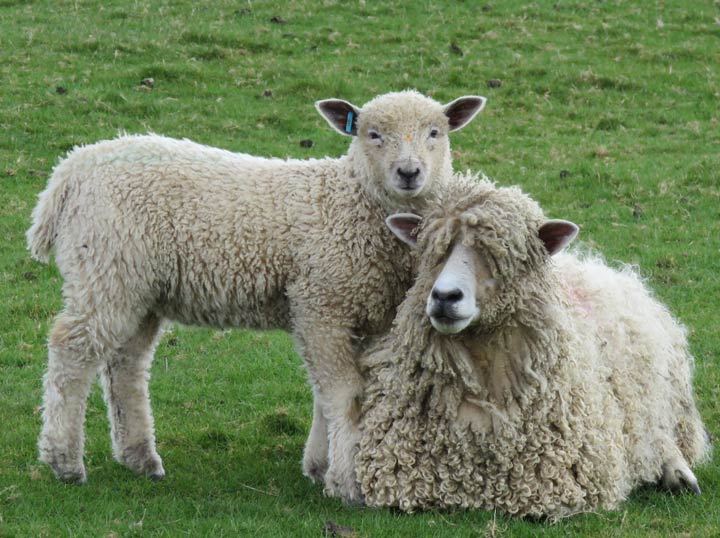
column 607, row 113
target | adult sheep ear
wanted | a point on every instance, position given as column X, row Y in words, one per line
column 463, row 109
column 341, row 115
column 556, row 234
column 405, row 226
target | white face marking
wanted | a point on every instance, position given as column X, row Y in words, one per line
column 451, row 304
column 462, row 289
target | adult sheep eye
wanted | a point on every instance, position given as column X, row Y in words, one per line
column 434, row 133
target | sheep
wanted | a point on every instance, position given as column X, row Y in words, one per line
column 512, row 380
column 148, row 228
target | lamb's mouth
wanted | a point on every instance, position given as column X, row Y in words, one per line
column 408, row 191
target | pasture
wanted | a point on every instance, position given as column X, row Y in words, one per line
column 607, row 112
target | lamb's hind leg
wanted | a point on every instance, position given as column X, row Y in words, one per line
column 677, row 476
column 124, row 377
column 73, row 356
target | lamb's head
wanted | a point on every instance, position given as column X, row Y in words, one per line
column 476, row 255
column 401, row 140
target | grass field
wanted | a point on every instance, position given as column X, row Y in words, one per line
column 606, row 111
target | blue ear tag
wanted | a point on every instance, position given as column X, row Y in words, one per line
column 348, row 124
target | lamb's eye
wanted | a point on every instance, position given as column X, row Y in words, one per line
column 434, row 132
column 375, row 136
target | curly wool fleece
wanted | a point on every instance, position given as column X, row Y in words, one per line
column 576, row 391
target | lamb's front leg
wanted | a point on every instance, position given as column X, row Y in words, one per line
column 343, row 442
column 337, row 385
column 315, row 457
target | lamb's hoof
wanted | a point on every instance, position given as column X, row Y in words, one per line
column 349, row 491
column 315, row 470
column 157, row 476
column 70, row 473
column 70, row 477
column 143, row 460
column 156, row 472
column 153, row 469
column 677, row 478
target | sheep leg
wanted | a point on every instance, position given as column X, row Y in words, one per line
column 124, row 376
column 344, row 440
column 72, row 367
column 677, row 477
column 329, row 356
column 315, row 457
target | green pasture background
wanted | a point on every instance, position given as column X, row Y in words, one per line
column 606, row 111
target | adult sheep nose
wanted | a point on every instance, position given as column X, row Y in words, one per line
column 408, row 175
column 445, row 298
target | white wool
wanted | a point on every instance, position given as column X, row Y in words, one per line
column 571, row 387
column 147, row 228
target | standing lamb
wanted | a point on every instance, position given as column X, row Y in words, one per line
column 147, row 228
column 515, row 381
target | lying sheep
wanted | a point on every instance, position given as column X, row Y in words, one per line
column 517, row 382
column 147, row 228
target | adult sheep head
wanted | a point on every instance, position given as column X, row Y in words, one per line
column 401, row 139
column 476, row 259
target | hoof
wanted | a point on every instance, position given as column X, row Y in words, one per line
column 348, row 491
column 690, row 484
column 142, row 459
column 70, row 477
column 156, row 477
column 349, row 498
column 678, row 478
column 315, row 472
column 64, row 470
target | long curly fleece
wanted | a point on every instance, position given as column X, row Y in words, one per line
column 575, row 390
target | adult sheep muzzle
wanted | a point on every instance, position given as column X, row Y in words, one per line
column 458, row 293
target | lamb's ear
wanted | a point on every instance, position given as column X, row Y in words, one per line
column 404, row 226
column 556, row 234
column 341, row 115
column 463, row 109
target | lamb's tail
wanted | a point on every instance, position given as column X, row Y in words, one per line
column 41, row 235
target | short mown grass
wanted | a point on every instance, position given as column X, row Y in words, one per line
column 606, row 111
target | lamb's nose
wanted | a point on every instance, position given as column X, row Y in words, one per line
column 408, row 175
column 447, row 297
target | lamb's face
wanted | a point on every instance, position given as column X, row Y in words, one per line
column 464, row 292
column 402, row 138
column 405, row 147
